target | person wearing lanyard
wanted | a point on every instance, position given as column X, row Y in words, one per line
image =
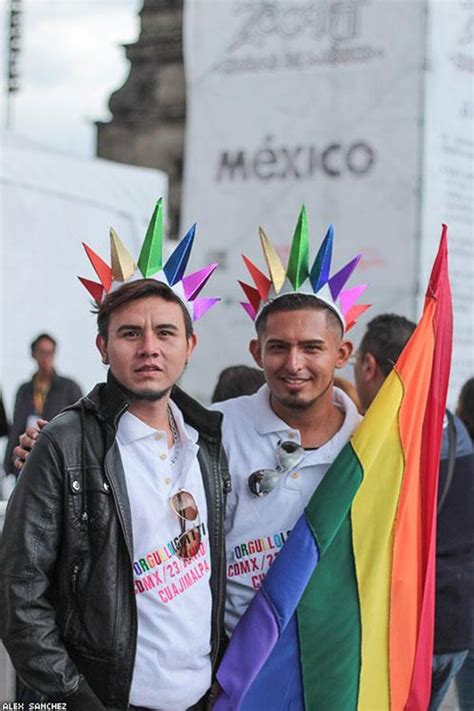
column 46, row 394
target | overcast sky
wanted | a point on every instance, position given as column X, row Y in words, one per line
column 71, row 61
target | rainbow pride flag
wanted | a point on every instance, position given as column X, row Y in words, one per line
column 344, row 619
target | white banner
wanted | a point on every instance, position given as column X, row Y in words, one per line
column 448, row 167
column 314, row 101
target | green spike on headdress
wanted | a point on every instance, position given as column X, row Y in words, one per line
column 150, row 260
column 298, row 262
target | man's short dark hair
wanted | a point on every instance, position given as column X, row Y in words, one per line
column 385, row 338
column 465, row 409
column 39, row 338
column 297, row 302
column 237, row 380
column 133, row 291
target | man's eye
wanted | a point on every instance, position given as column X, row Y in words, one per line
column 312, row 348
column 277, row 347
column 165, row 332
column 131, row 334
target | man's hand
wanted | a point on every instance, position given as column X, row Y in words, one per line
column 27, row 442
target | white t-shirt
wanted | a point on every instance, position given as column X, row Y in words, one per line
column 172, row 665
column 257, row 527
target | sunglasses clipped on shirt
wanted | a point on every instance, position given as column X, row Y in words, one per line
column 288, row 455
column 185, row 507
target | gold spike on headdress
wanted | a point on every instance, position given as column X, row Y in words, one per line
column 275, row 267
column 123, row 265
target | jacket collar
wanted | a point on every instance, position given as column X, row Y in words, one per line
column 206, row 422
column 108, row 400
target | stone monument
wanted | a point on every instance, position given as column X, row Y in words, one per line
column 148, row 111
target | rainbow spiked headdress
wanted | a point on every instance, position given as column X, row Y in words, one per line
column 150, row 266
column 298, row 278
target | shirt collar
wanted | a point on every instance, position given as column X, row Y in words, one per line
column 266, row 421
column 131, row 428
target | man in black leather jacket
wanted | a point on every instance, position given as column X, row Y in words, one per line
column 69, row 558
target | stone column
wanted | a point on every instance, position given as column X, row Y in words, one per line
column 148, row 111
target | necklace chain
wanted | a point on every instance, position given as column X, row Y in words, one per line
column 175, row 436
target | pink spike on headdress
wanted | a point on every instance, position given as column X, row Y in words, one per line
column 95, row 290
column 202, row 306
column 250, row 310
column 348, row 297
column 353, row 314
column 252, row 294
column 193, row 283
column 261, row 281
column 103, row 271
column 336, row 282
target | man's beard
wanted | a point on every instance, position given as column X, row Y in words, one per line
column 145, row 395
column 301, row 405
column 297, row 405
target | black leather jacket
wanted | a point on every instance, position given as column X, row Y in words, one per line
column 68, row 614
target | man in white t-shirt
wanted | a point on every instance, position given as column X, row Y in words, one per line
column 299, row 345
column 281, row 441
column 112, row 554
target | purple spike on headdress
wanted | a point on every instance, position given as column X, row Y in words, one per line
column 249, row 309
column 193, row 283
column 348, row 298
column 319, row 274
column 336, row 282
column 178, row 260
column 202, row 306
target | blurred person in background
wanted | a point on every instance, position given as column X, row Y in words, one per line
column 4, row 424
column 378, row 352
column 6, row 482
column 46, row 394
column 465, row 408
column 465, row 676
column 237, row 380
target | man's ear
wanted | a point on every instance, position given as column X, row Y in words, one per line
column 345, row 349
column 192, row 341
column 369, row 368
column 102, row 348
column 255, row 349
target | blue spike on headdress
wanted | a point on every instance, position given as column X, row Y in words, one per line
column 178, row 260
column 319, row 274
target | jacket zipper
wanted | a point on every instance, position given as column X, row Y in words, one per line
column 219, row 523
column 74, row 575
